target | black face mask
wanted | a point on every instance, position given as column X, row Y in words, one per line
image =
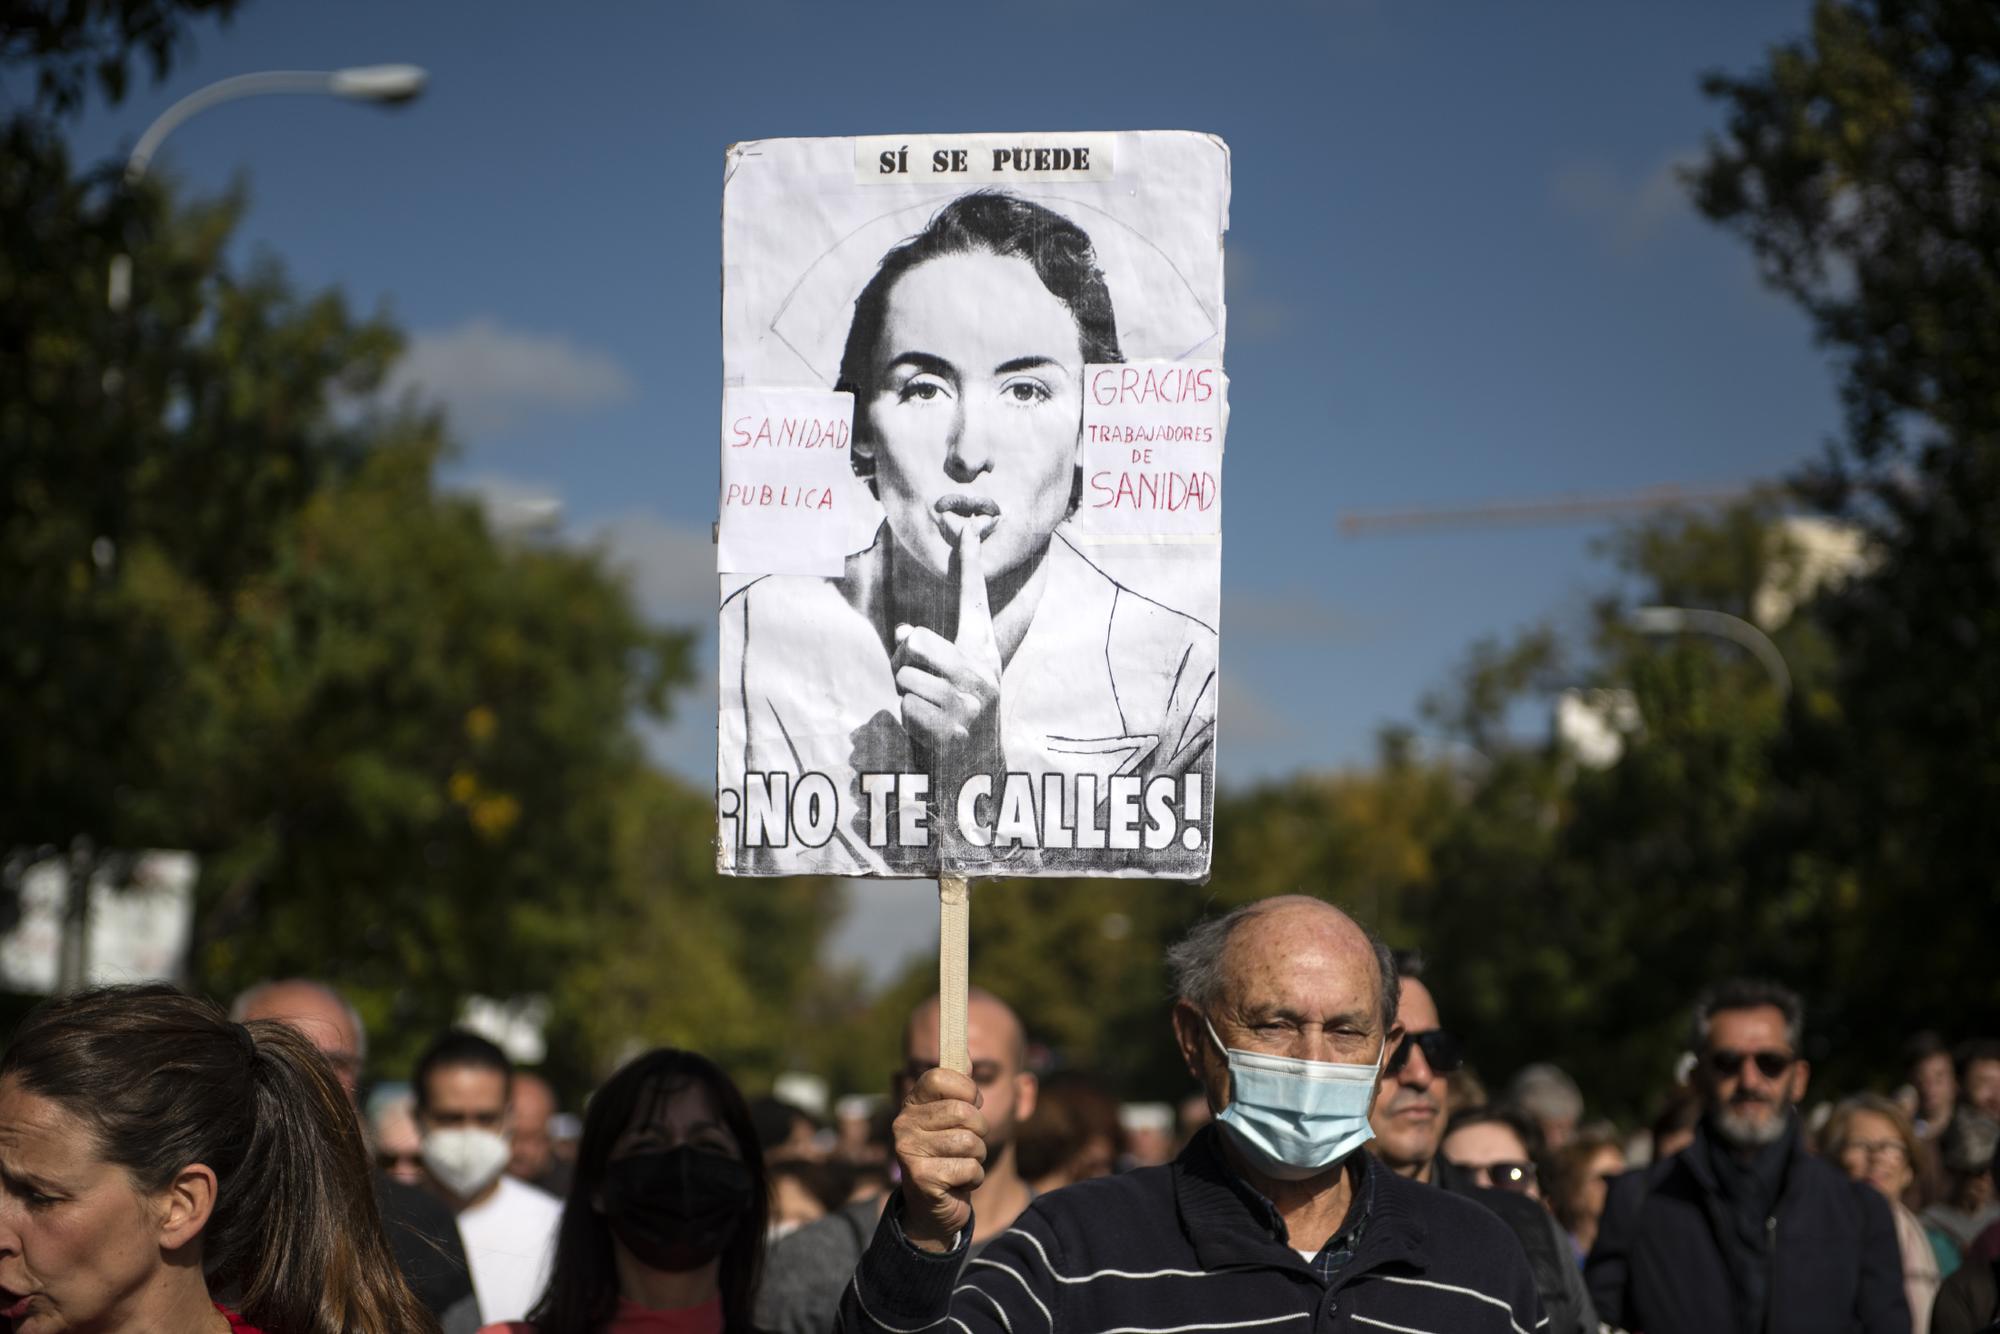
column 675, row 1209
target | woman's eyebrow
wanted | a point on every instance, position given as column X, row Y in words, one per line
column 924, row 363
column 13, row 1176
column 1028, row 363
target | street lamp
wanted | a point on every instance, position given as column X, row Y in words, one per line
column 389, row 85
column 1721, row 625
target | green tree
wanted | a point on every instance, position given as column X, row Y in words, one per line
column 73, row 44
column 243, row 620
column 130, row 476
column 414, row 744
column 675, row 954
column 1862, row 165
column 1572, row 913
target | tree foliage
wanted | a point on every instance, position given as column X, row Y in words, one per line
column 673, row 953
column 242, row 619
column 1862, row 164
column 1573, row 912
column 73, row 45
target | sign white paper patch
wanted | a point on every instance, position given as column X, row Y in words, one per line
column 1152, row 449
column 786, row 481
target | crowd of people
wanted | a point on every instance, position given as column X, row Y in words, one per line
column 167, row 1166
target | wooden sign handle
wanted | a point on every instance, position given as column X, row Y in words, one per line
column 954, row 949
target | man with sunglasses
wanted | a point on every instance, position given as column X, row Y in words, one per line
column 1409, row 1118
column 806, row 1270
column 1745, row 1231
column 1409, row 1112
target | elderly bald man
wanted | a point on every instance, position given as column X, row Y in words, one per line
column 1286, row 1014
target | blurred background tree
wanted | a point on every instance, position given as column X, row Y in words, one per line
column 71, row 46
column 1862, row 165
column 243, row 618
column 1579, row 902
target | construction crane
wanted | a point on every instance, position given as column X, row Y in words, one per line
column 1567, row 508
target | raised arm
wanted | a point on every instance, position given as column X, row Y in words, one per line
column 909, row 1280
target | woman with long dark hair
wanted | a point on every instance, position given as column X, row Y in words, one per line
column 663, row 1230
column 155, row 1156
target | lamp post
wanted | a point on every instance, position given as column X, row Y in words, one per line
column 1720, row 625
column 388, row 85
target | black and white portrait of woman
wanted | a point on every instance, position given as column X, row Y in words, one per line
column 974, row 635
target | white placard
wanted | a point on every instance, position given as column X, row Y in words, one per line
column 994, row 652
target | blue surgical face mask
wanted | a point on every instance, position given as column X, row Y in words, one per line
column 1294, row 1119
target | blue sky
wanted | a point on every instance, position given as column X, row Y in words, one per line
column 1460, row 271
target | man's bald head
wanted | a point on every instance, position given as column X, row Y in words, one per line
column 1290, row 977
column 983, row 1010
column 316, row 1010
column 1212, row 960
column 997, row 1045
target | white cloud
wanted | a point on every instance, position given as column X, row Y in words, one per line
column 514, row 506
column 671, row 565
column 488, row 376
column 1628, row 213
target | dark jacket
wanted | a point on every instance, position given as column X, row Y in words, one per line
column 1969, row 1301
column 1545, row 1243
column 423, row 1236
column 1664, row 1249
column 1191, row 1246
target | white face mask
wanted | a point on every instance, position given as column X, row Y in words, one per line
column 1295, row 1119
column 466, row 1160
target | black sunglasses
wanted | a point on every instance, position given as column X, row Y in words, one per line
column 1442, row 1052
column 1517, row 1177
column 1770, row 1064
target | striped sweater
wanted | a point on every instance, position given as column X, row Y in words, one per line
column 1190, row 1246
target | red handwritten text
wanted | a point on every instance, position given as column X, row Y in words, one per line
column 754, row 432
column 750, row 495
column 1152, row 384
column 1172, row 492
column 1124, row 433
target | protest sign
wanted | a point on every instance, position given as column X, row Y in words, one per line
column 971, row 499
